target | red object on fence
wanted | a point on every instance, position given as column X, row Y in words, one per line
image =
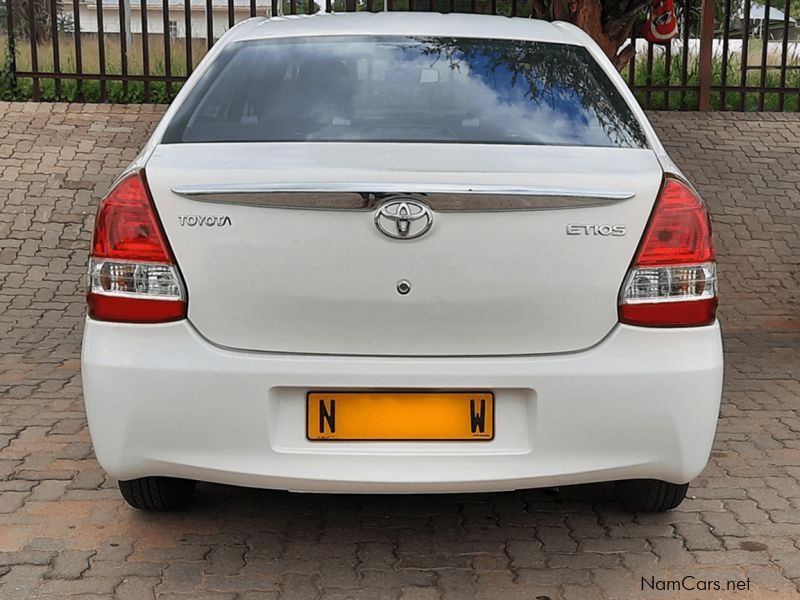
column 662, row 25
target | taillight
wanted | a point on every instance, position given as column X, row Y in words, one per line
column 133, row 277
column 673, row 280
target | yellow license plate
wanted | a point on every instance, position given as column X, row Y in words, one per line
column 400, row 416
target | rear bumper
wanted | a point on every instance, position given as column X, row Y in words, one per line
column 161, row 400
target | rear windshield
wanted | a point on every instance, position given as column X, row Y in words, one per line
column 406, row 89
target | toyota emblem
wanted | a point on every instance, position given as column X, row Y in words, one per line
column 403, row 218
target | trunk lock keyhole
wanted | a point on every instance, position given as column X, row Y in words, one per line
column 403, row 287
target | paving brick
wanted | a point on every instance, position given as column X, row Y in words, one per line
column 226, row 560
column 581, row 576
column 74, row 587
column 724, row 524
column 11, row 501
column 217, row 596
column 359, row 594
column 21, row 581
column 70, row 564
column 65, row 532
column 48, row 491
column 419, row 593
column 181, row 576
column 109, row 569
column 136, row 588
column 556, row 539
column 27, row 557
column 614, row 546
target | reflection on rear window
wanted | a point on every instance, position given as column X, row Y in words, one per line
column 406, row 89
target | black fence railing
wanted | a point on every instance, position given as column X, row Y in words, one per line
column 730, row 54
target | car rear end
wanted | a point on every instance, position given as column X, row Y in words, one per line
column 380, row 263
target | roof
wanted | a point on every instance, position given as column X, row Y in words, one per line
column 407, row 23
column 757, row 12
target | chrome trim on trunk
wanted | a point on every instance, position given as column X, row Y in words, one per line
column 440, row 197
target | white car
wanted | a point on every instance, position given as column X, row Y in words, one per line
column 403, row 253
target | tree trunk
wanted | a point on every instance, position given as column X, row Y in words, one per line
column 608, row 22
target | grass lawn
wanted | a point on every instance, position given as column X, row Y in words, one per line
column 90, row 63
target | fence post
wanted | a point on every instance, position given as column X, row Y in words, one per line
column 706, row 50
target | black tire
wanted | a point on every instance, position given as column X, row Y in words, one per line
column 650, row 495
column 157, row 493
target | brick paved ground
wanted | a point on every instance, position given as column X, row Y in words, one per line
column 65, row 532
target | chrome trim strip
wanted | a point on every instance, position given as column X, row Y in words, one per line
column 440, row 197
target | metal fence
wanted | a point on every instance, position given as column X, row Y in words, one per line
column 730, row 55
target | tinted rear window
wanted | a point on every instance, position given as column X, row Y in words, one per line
column 406, row 89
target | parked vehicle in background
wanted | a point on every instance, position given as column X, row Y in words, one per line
column 403, row 253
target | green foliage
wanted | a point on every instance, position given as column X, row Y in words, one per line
column 659, row 100
column 91, row 92
column 41, row 19
column 794, row 6
column 8, row 87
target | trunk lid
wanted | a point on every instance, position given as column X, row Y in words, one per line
column 483, row 282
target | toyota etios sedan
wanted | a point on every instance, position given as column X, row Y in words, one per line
column 402, row 253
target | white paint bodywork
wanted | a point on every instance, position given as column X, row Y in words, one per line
column 287, row 301
column 163, row 401
column 324, row 282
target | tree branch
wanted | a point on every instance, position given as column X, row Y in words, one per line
column 623, row 33
column 612, row 26
column 560, row 10
column 624, row 57
column 538, row 9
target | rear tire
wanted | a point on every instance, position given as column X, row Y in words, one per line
column 650, row 495
column 157, row 493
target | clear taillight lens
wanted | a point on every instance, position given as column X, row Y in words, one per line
column 673, row 281
column 670, row 296
column 671, row 284
column 134, row 280
column 133, row 277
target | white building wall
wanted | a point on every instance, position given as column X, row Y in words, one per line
column 774, row 49
column 155, row 21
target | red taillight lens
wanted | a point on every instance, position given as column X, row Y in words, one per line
column 670, row 314
column 134, row 310
column 673, row 281
column 127, row 227
column 679, row 232
column 132, row 274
